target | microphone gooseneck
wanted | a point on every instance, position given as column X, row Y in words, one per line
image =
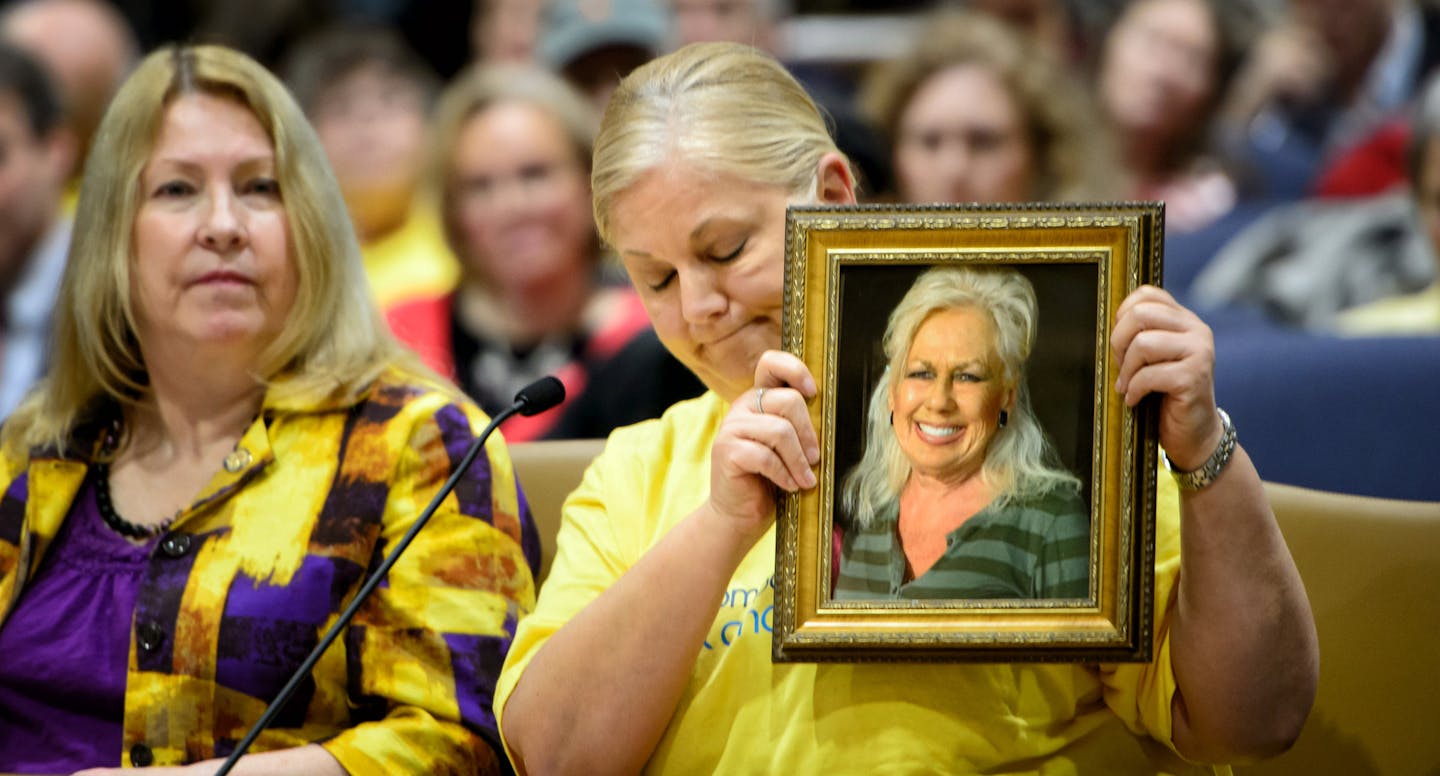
column 533, row 399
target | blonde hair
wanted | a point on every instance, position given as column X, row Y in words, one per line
column 1073, row 159
column 1020, row 461
column 481, row 87
column 332, row 341
column 724, row 106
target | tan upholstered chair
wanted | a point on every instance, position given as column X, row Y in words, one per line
column 1372, row 570
column 548, row 471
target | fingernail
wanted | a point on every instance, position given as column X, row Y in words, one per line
column 812, row 453
column 808, row 481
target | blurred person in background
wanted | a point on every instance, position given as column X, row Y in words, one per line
column 975, row 113
column 37, row 152
column 87, row 47
column 595, row 44
column 1417, row 312
column 1324, row 76
column 369, row 98
column 1163, row 67
column 537, row 294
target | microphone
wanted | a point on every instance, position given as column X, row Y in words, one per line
column 540, row 395
column 533, row 399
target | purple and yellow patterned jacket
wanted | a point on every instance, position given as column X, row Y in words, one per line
column 241, row 588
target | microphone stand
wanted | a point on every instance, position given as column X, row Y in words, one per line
column 525, row 404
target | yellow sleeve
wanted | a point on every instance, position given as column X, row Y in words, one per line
column 1140, row 694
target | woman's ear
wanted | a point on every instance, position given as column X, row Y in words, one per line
column 836, row 183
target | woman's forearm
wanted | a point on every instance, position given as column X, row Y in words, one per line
column 597, row 697
column 312, row 759
column 1243, row 641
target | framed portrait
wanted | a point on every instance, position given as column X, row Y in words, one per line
column 984, row 493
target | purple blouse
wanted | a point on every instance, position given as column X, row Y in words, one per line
column 64, row 648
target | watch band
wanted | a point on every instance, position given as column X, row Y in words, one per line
column 1208, row 471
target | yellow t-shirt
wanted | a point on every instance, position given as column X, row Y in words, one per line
column 741, row 713
column 411, row 262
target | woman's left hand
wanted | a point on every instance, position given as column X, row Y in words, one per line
column 1166, row 349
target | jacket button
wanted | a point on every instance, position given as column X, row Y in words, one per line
column 237, row 460
column 141, row 756
column 149, row 637
column 176, row 545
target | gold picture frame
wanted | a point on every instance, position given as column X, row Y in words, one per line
column 845, row 269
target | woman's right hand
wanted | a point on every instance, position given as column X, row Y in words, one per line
column 766, row 440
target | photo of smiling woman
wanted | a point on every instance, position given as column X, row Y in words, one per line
column 958, row 493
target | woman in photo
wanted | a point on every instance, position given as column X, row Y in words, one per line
column 957, row 493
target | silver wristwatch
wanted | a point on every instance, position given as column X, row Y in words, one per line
column 1208, row 471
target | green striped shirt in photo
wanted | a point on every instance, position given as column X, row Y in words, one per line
column 1031, row 548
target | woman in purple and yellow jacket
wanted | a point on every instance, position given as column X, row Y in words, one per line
column 227, row 443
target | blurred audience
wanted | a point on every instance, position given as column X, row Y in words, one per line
column 1162, row 69
column 595, row 44
column 1304, row 264
column 88, row 49
column 1324, row 78
column 536, row 295
column 369, row 98
column 974, row 113
column 36, row 154
column 1419, row 312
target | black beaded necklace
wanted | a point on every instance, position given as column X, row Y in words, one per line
column 112, row 518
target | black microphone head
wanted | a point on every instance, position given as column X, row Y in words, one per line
column 540, row 395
